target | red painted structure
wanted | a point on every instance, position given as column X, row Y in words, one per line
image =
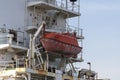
column 61, row 43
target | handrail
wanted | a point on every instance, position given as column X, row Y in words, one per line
column 5, row 36
column 64, row 4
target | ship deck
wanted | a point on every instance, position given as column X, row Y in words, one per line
column 32, row 71
column 47, row 6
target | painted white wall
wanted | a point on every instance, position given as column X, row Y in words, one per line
column 61, row 23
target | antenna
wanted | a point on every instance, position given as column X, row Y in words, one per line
column 89, row 65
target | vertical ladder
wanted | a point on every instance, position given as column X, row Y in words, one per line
column 38, row 55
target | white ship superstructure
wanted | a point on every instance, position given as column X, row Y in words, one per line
column 22, row 56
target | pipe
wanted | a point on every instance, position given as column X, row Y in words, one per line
column 32, row 43
column 39, row 29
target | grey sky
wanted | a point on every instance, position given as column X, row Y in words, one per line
column 100, row 20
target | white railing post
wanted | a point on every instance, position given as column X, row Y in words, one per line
column 10, row 37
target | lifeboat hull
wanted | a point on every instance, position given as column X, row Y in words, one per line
column 61, row 43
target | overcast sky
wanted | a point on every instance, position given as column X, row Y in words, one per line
column 100, row 20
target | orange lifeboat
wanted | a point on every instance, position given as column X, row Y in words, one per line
column 61, row 43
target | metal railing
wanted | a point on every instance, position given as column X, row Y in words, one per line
column 71, row 29
column 64, row 4
column 67, row 5
column 8, row 38
column 6, row 65
column 16, row 63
